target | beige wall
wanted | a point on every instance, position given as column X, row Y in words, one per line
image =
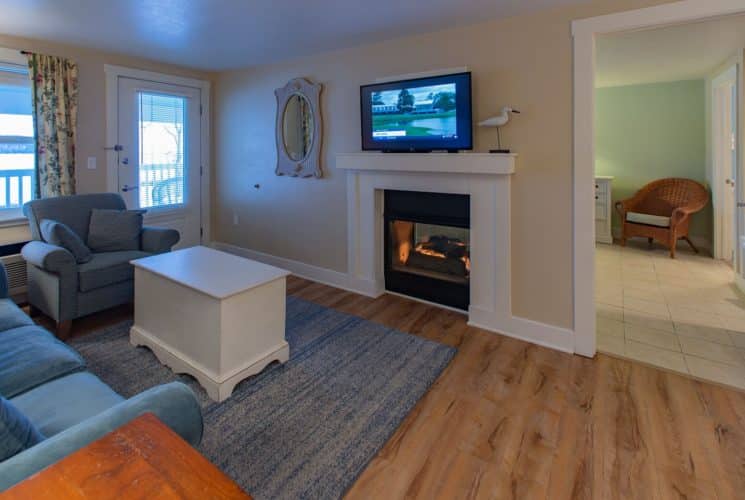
column 91, row 114
column 523, row 61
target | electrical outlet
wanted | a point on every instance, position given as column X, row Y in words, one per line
column 91, row 163
column 235, row 218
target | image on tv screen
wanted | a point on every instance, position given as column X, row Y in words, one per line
column 415, row 112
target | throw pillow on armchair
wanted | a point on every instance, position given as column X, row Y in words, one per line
column 114, row 230
column 59, row 234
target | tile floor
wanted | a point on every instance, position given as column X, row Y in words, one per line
column 684, row 315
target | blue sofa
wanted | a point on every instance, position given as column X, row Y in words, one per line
column 47, row 381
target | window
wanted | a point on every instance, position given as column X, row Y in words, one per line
column 161, row 130
column 17, row 159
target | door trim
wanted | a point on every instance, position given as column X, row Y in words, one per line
column 584, row 32
column 728, row 75
column 113, row 73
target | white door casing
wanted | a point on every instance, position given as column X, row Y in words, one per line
column 124, row 88
column 724, row 174
column 584, row 32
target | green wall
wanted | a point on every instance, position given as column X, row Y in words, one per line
column 652, row 131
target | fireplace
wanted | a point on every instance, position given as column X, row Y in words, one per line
column 427, row 246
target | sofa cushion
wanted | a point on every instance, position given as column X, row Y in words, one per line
column 29, row 356
column 115, row 230
column 107, row 268
column 11, row 316
column 66, row 401
column 650, row 220
column 17, row 432
column 59, row 234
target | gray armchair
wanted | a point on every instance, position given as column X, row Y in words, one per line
column 63, row 289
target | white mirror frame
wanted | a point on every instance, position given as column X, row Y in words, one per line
column 310, row 166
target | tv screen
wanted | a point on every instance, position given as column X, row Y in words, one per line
column 422, row 114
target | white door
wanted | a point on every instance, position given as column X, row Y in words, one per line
column 159, row 158
column 724, row 127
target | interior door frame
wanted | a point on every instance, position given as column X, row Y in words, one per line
column 717, row 180
column 113, row 73
column 584, row 32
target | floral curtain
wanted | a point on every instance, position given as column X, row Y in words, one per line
column 54, row 83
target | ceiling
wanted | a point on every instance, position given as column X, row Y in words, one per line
column 227, row 34
column 683, row 52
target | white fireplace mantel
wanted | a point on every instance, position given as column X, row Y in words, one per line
column 486, row 179
column 454, row 163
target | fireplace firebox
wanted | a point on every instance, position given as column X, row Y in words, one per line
column 427, row 246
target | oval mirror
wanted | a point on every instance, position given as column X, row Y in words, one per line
column 297, row 127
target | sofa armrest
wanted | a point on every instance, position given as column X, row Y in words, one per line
column 51, row 258
column 158, row 239
column 3, row 282
column 174, row 404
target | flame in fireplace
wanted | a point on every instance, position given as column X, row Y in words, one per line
column 467, row 261
column 428, row 251
column 404, row 248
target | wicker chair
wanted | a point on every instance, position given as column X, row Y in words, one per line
column 662, row 210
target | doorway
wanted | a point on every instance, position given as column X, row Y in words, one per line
column 158, row 134
column 585, row 32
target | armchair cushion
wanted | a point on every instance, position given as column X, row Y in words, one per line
column 66, row 401
column 17, row 433
column 51, row 258
column 30, row 356
column 159, row 239
column 114, row 230
column 107, row 268
column 59, row 234
column 648, row 219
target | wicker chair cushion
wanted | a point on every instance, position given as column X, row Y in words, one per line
column 648, row 219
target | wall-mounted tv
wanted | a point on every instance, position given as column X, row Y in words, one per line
column 418, row 115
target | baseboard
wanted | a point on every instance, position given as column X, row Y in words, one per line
column 303, row 270
column 553, row 337
column 550, row 336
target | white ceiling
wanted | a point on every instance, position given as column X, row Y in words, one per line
column 226, row 34
column 683, row 52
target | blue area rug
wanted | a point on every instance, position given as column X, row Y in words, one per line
column 305, row 429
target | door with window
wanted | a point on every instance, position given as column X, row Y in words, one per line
column 159, row 154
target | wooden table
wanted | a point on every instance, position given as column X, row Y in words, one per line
column 142, row 459
column 216, row 316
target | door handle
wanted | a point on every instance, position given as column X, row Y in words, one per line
column 129, row 188
column 740, row 204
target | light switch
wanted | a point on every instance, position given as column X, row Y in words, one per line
column 91, row 163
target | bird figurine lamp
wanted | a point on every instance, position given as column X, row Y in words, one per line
column 499, row 121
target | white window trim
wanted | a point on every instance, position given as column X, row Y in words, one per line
column 113, row 73
column 12, row 216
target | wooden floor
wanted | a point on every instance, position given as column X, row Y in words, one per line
column 508, row 419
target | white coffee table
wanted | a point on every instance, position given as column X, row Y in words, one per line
column 211, row 314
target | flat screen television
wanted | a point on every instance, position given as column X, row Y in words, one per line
column 418, row 115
